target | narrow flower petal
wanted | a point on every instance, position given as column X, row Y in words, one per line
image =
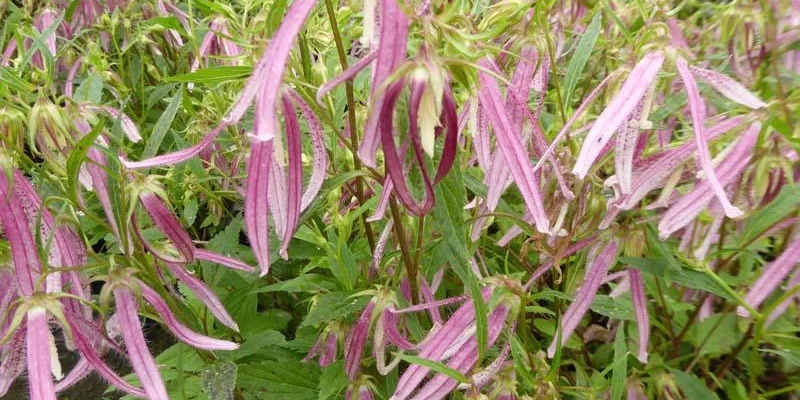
column 349, row 74
column 623, row 104
column 596, row 268
column 204, row 294
column 729, row 88
column 142, row 361
column 128, row 126
column 39, row 357
column 166, row 222
column 20, row 239
column 781, row 308
column 256, row 204
column 391, row 53
column 771, row 276
column 626, row 143
column 95, row 361
column 640, row 307
column 294, row 185
column 13, row 363
column 698, row 110
column 354, row 345
column 232, row 263
column 394, row 165
column 513, row 151
column 178, row 156
column 686, row 209
column 320, row 163
column 181, row 331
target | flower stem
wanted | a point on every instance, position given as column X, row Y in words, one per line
column 351, row 117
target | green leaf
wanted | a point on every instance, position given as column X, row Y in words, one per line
column 481, row 317
column 286, row 379
column 219, row 380
column 190, row 210
column 7, row 77
column 303, row 283
column 331, row 306
column 619, row 308
column 90, row 90
column 692, row 387
column 582, row 52
column 275, row 16
column 790, row 357
column 162, row 126
column 620, row 368
column 257, row 343
column 448, row 215
column 436, row 367
column 76, row 157
column 214, row 75
column 786, row 203
column 333, row 380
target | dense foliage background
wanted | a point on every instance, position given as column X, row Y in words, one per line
column 512, row 199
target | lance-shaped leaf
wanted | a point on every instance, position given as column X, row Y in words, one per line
column 166, row 222
column 620, row 108
column 697, row 108
column 771, row 276
column 394, row 165
column 40, row 350
column 689, row 206
column 131, row 329
column 392, row 42
column 354, row 345
column 20, row 239
column 600, row 260
column 729, row 88
column 204, row 294
column 181, row 331
column 640, row 307
column 513, row 150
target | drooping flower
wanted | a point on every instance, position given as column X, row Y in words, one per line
column 771, row 276
column 601, row 258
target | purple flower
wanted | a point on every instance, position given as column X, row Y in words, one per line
column 771, row 276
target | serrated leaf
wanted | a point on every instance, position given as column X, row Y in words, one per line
column 162, row 126
column 286, row 379
column 303, row 283
column 582, row 52
column 692, row 387
column 257, row 343
column 331, row 306
column 332, row 381
column 90, row 90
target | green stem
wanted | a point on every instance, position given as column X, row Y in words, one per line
column 411, row 267
column 351, row 117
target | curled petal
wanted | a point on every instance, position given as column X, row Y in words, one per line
column 295, row 182
column 354, row 345
column 698, row 110
column 391, row 52
column 128, row 127
column 204, row 294
column 181, row 331
column 729, row 88
column 166, row 222
column 345, row 76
